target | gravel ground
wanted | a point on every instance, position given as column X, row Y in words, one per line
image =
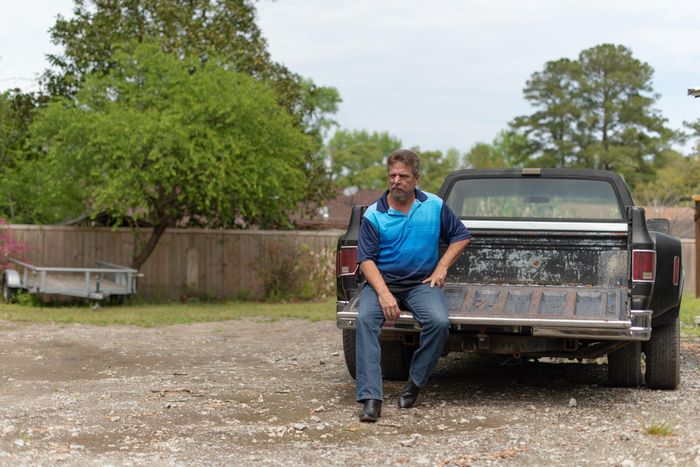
column 277, row 393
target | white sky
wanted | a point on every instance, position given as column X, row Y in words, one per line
column 438, row 74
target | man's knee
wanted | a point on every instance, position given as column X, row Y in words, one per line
column 367, row 320
column 438, row 323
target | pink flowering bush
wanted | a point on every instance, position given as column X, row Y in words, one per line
column 9, row 247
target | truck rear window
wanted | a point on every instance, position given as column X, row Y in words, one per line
column 535, row 198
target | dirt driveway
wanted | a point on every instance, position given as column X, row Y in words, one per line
column 277, row 393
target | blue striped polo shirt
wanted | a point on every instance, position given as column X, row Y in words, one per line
column 405, row 246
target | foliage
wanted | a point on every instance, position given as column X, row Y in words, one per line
column 435, row 166
column 289, row 272
column 170, row 313
column 674, row 182
column 678, row 178
column 690, row 309
column 506, row 151
column 91, row 38
column 596, row 112
column 358, row 158
column 201, row 30
column 9, row 247
column 162, row 139
column 17, row 109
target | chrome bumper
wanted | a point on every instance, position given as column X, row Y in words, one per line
column 637, row 328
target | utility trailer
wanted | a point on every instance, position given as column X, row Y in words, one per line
column 103, row 281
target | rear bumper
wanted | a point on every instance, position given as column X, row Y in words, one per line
column 637, row 328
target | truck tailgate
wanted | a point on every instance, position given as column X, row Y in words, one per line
column 583, row 312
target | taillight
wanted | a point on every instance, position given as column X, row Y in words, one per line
column 676, row 270
column 347, row 261
column 643, row 265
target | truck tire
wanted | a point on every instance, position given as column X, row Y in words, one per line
column 396, row 360
column 349, row 350
column 625, row 366
column 663, row 356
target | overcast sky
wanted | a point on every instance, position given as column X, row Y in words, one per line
column 438, row 74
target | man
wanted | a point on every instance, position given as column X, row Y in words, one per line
column 398, row 256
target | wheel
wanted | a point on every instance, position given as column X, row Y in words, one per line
column 8, row 292
column 396, row 360
column 625, row 366
column 663, row 354
column 349, row 350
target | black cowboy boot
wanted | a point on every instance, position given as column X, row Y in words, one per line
column 408, row 395
column 371, row 410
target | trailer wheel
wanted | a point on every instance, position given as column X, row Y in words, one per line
column 8, row 292
column 396, row 360
column 663, row 356
column 625, row 366
column 349, row 350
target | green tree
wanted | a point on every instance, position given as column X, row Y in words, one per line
column 196, row 29
column 358, row 158
column 597, row 112
column 507, row 150
column 155, row 139
column 435, row 166
column 17, row 110
column 674, row 182
column 679, row 177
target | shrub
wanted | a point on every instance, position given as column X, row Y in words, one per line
column 9, row 247
column 288, row 271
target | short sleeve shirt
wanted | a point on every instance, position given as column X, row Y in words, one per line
column 405, row 246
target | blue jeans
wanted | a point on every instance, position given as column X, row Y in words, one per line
column 429, row 308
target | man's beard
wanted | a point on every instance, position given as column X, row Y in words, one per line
column 399, row 195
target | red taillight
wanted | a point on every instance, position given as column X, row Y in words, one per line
column 676, row 270
column 347, row 261
column 643, row 265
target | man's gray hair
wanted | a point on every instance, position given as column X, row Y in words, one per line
column 406, row 156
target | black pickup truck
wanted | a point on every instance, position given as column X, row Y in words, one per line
column 561, row 264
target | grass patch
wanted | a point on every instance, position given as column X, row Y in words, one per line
column 690, row 308
column 659, row 429
column 167, row 314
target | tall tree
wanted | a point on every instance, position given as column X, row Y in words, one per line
column 155, row 139
column 597, row 112
column 193, row 29
column 358, row 158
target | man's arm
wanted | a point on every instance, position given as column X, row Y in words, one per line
column 453, row 251
column 387, row 301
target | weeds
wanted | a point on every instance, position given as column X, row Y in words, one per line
column 659, row 429
column 295, row 272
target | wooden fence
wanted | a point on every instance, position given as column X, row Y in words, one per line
column 217, row 263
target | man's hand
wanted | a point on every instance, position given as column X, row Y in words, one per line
column 440, row 273
column 387, row 301
column 390, row 307
column 437, row 277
